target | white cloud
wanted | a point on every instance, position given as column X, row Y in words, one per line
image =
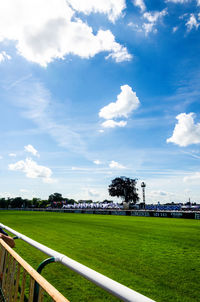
column 4, row 56
column 12, row 154
column 154, row 16
column 119, row 54
column 135, row 27
column 140, row 4
column 153, row 19
column 1, row 157
column 127, row 101
column 32, row 170
column 192, row 22
column 6, row 195
column 31, row 149
column 46, row 30
column 186, row 132
column 97, row 162
column 194, row 177
column 149, row 27
column 112, row 8
column 115, row 165
column 113, row 124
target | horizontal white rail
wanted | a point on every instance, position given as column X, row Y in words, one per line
column 120, row 291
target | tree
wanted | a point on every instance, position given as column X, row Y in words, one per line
column 16, row 202
column 3, row 203
column 55, row 197
column 125, row 188
column 35, row 202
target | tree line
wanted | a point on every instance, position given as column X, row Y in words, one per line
column 54, row 200
column 122, row 187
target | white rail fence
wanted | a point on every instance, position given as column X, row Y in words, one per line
column 19, row 282
column 120, row 291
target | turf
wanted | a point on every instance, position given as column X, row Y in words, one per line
column 158, row 257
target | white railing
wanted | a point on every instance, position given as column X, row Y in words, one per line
column 120, row 291
column 20, row 282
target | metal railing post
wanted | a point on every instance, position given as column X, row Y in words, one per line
column 39, row 270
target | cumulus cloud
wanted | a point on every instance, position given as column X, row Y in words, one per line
column 194, row 177
column 115, row 165
column 140, row 4
column 149, row 27
column 119, row 54
column 31, row 149
column 97, row 162
column 112, row 8
column 4, row 56
column 113, row 124
column 192, row 23
column 153, row 19
column 154, row 16
column 46, row 30
column 32, row 170
column 186, row 132
column 126, row 102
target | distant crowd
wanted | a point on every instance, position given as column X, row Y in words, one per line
column 159, row 207
column 97, row 205
column 120, row 206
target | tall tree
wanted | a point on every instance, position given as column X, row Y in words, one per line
column 125, row 188
column 55, row 197
column 16, row 202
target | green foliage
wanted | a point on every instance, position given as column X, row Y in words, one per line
column 55, row 197
column 19, row 202
column 158, row 257
column 35, row 202
column 16, row 202
column 125, row 188
column 3, row 203
column 70, row 201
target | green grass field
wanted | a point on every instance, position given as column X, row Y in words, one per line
column 158, row 257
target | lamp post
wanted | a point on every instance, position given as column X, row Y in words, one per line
column 143, row 185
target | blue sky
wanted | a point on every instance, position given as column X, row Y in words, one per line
column 91, row 90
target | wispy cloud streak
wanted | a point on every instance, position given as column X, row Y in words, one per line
column 37, row 105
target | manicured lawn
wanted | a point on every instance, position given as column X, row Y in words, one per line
column 158, row 257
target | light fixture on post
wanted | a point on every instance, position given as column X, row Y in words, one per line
column 143, row 185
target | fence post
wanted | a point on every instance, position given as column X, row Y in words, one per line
column 39, row 270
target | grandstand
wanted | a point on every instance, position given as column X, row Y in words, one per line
column 119, row 206
column 97, row 205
